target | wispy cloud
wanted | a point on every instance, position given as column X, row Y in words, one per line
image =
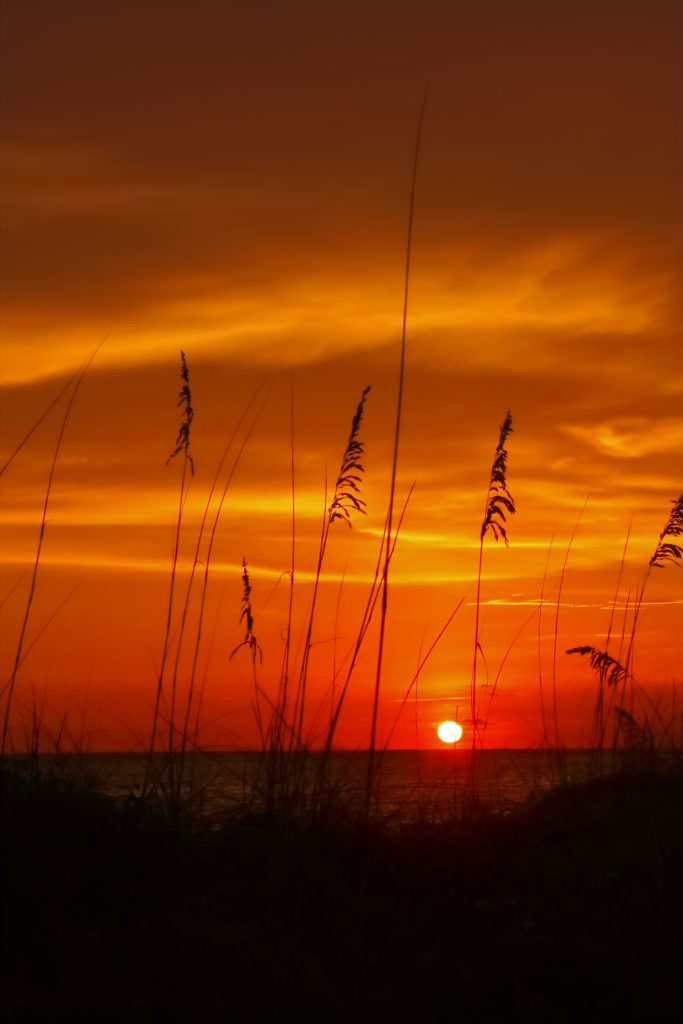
column 630, row 437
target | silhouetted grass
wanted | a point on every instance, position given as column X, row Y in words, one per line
column 389, row 544
column 182, row 446
column 8, row 689
column 498, row 506
column 645, row 734
column 345, row 500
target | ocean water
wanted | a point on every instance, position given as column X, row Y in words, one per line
column 409, row 783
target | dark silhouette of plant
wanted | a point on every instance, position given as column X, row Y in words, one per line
column 499, row 500
column 346, row 490
column 250, row 642
column 76, row 381
column 185, row 736
column 499, row 504
column 666, row 551
column 182, row 446
column 247, row 616
column 369, row 786
column 610, row 671
column 187, row 415
column 346, row 499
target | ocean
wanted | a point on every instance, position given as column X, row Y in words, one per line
column 409, row 783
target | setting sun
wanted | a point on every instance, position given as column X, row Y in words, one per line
column 449, row 732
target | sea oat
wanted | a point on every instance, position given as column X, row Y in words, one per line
column 247, row 616
column 187, row 414
column 499, row 500
column 666, row 551
column 347, row 490
column 608, row 668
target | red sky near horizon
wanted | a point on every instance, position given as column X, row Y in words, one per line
column 232, row 180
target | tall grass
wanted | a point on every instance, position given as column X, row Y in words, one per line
column 539, row 647
column 498, row 506
column 611, row 673
column 75, row 381
column 284, row 675
column 252, row 645
column 182, row 448
column 394, row 465
column 557, row 742
column 180, row 735
column 346, row 499
column 185, row 737
column 286, row 733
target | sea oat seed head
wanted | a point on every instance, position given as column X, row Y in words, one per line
column 347, row 490
column 187, row 415
column 499, row 500
column 666, row 551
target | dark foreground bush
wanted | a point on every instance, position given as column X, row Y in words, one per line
column 568, row 911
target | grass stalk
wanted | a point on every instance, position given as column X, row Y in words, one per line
column 182, row 447
column 63, row 390
column 283, row 695
column 499, row 504
column 601, row 714
column 205, row 581
column 251, row 643
column 370, row 783
column 544, row 717
column 424, row 658
column 188, row 592
column 41, row 536
column 345, row 501
column 558, row 605
column 667, row 552
column 366, row 620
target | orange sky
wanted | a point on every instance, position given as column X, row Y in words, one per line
column 232, row 179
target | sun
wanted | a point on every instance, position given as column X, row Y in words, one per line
column 449, row 732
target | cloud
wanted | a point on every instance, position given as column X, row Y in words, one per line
column 630, row 437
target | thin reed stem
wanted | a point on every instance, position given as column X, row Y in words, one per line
column 558, row 605
column 421, row 664
column 366, row 620
column 600, row 715
column 498, row 505
column 284, row 677
column 205, row 581
column 499, row 672
column 48, row 410
column 193, row 570
column 666, row 552
column 345, row 501
column 182, row 446
column 544, row 719
column 36, row 564
column 394, row 464
column 250, row 642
